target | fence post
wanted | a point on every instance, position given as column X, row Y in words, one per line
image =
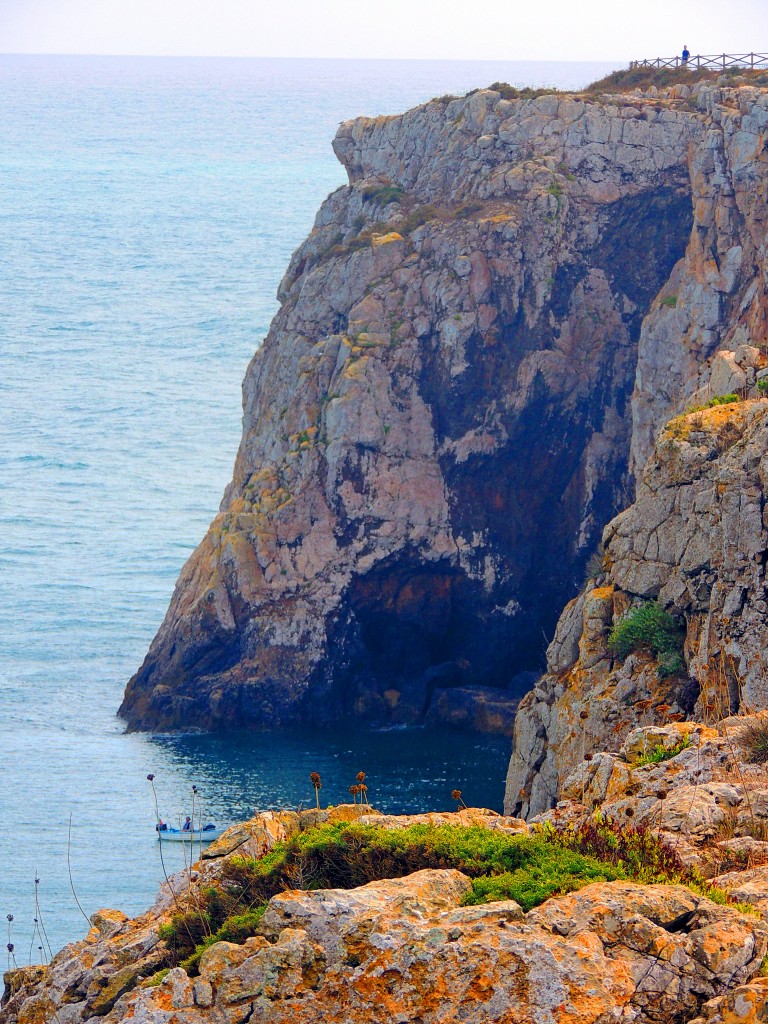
column 752, row 61
column 723, row 62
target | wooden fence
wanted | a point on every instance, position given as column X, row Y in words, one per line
column 708, row 62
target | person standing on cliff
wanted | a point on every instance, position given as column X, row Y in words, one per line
column 686, row 55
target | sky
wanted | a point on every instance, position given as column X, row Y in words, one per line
column 424, row 29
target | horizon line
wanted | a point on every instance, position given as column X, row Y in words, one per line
column 231, row 56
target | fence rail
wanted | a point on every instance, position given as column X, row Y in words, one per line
column 708, row 62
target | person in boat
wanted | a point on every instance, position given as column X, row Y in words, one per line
column 161, row 826
column 187, row 826
column 686, row 55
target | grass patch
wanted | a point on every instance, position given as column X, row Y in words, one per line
column 728, row 399
column 721, row 400
column 154, row 980
column 644, row 78
column 670, row 302
column 526, row 868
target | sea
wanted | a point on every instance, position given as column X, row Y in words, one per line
column 148, row 208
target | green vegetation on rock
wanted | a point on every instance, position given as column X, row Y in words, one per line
column 383, row 194
column 753, row 740
column 649, row 628
column 661, row 753
column 527, row 868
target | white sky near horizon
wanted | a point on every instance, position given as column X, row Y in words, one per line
column 422, row 29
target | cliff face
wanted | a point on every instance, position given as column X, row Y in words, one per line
column 696, row 541
column 438, row 424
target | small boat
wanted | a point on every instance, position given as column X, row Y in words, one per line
column 175, row 835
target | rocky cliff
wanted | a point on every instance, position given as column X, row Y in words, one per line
column 696, row 543
column 412, row 949
column 438, row 424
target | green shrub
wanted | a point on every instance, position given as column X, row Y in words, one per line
column 382, row 195
column 670, row 301
column 647, row 628
column 661, row 753
column 721, row 400
column 509, row 92
column 236, row 928
column 526, row 868
column 762, row 385
column 671, row 663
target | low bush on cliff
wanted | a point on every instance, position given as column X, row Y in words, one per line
column 753, row 740
column 644, row 78
column 510, row 92
column 526, row 868
column 649, row 628
column 661, row 753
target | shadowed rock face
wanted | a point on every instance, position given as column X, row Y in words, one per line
column 438, row 425
column 695, row 538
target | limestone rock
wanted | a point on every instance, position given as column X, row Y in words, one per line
column 745, row 1004
column 406, row 949
column 256, row 837
column 696, row 542
column 435, row 429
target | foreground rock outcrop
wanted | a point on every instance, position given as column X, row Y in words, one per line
column 407, row 950
column 438, row 425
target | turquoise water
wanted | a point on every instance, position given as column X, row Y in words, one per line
column 147, row 210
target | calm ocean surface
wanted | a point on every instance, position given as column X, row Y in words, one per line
column 148, row 208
